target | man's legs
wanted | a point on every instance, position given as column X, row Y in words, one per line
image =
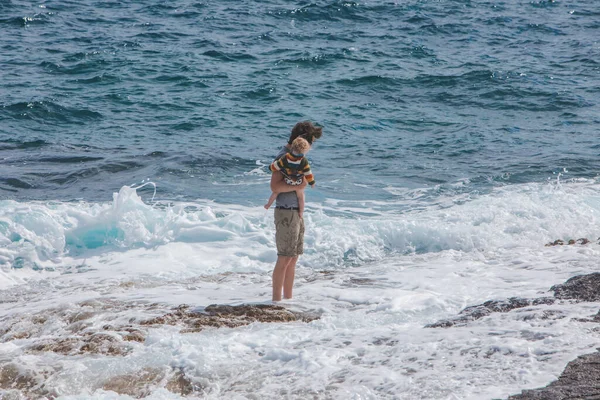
column 280, row 276
column 289, row 236
column 288, row 281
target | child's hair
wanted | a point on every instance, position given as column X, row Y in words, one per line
column 300, row 146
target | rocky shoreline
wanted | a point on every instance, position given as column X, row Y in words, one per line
column 119, row 340
column 579, row 380
column 118, row 336
column 581, row 377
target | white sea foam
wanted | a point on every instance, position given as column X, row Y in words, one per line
column 375, row 281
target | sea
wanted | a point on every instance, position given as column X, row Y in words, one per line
column 459, row 138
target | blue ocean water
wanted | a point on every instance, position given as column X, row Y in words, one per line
column 198, row 96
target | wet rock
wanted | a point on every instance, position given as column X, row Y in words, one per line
column 219, row 316
column 579, row 380
column 560, row 242
column 142, row 383
column 359, row 282
column 62, row 346
column 582, row 288
column 78, row 316
column 179, row 383
column 12, row 377
column 134, row 335
column 138, row 384
column 90, row 343
column 19, row 383
column 479, row 311
column 101, row 343
column 581, row 377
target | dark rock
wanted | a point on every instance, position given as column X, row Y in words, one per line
column 560, row 242
column 581, row 377
column 579, row 380
column 479, row 311
column 582, row 288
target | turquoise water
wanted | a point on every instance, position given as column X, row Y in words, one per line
column 450, row 96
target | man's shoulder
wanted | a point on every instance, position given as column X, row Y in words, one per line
column 282, row 151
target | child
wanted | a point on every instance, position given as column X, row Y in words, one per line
column 293, row 165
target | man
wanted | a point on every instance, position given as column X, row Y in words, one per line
column 289, row 226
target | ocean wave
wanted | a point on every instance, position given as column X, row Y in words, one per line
column 336, row 11
column 313, row 60
column 163, row 35
column 10, row 144
column 371, row 80
column 225, row 56
column 36, row 19
column 16, row 183
column 339, row 234
column 88, row 66
column 48, row 111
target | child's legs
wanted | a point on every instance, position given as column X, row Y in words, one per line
column 271, row 200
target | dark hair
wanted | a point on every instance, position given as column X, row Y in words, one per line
column 307, row 130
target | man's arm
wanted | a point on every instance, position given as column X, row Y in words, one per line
column 279, row 186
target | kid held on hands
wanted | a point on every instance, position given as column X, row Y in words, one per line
column 294, row 166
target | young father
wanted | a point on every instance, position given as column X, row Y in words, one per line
column 289, row 227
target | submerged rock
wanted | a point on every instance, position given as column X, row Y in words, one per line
column 579, row 380
column 90, row 343
column 138, row 384
column 179, row 383
column 122, row 332
column 12, row 377
column 16, row 382
column 143, row 382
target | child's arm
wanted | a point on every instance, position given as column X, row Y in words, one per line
column 305, row 170
column 277, row 165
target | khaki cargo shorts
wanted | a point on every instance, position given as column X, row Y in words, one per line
column 289, row 233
